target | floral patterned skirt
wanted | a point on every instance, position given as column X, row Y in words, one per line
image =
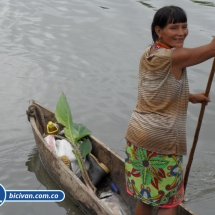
column 154, row 178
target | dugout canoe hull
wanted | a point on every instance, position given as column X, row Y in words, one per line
column 87, row 201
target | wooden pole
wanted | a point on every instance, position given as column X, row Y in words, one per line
column 210, row 79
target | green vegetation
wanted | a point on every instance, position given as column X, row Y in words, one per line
column 76, row 133
column 104, row 7
column 205, row 3
column 145, row 4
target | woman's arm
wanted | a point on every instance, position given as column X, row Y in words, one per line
column 185, row 57
column 198, row 98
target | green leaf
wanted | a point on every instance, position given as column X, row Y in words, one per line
column 64, row 116
column 62, row 111
column 85, row 147
column 82, row 131
column 73, row 131
column 71, row 134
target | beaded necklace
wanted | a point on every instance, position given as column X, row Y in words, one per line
column 158, row 44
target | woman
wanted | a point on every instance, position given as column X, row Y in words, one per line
column 156, row 135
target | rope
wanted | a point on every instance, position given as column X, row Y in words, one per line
column 36, row 112
column 66, row 160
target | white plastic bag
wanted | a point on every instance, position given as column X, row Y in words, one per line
column 63, row 147
column 50, row 140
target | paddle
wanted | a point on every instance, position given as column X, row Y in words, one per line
column 210, row 79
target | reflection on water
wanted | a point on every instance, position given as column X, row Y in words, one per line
column 205, row 3
column 34, row 165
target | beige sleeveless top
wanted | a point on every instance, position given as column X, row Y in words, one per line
column 158, row 122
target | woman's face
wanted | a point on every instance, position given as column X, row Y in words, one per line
column 173, row 34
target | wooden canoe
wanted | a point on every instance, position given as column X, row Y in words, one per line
column 87, row 201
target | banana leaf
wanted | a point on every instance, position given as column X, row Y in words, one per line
column 73, row 131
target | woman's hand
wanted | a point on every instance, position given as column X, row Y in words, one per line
column 198, row 98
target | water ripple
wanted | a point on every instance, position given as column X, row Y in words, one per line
column 90, row 50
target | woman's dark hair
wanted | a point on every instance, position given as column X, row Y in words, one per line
column 166, row 15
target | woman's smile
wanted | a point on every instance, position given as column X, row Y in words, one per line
column 173, row 34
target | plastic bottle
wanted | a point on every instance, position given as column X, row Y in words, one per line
column 52, row 128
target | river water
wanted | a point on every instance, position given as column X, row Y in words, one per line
column 90, row 50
